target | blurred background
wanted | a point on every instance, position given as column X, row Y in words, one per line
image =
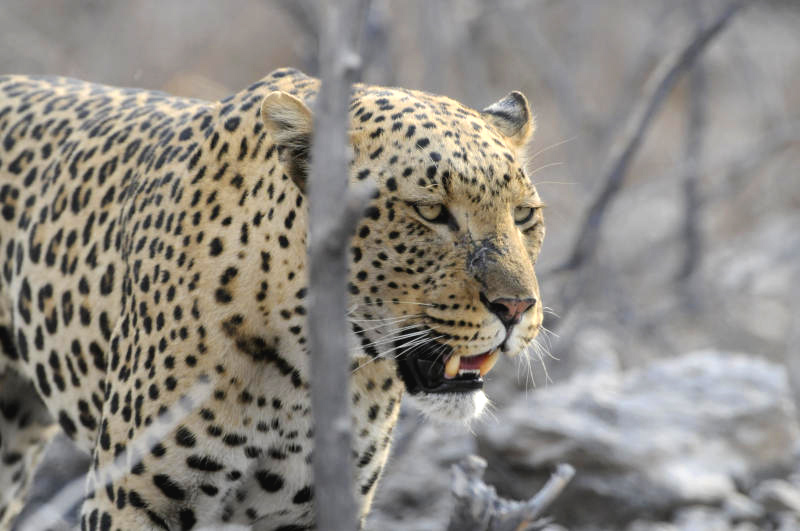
column 670, row 374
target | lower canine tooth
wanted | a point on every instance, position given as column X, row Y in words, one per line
column 489, row 362
column 451, row 367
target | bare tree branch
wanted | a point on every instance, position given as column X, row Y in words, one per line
column 731, row 170
column 693, row 153
column 640, row 68
column 479, row 508
column 330, row 228
column 661, row 84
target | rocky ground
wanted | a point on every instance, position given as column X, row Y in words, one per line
column 708, row 440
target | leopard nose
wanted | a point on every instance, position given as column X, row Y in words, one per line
column 509, row 311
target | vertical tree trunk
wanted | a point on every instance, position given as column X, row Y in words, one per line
column 330, row 228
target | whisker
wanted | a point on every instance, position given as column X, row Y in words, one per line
column 546, row 339
column 420, row 343
column 440, row 352
column 551, row 311
column 539, row 183
column 539, row 349
column 490, row 409
column 549, row 332
column 382, row 319
column 387, row 319
column 388, row 324
column 540, row 168
column 412, row 344
column 549, row 346
column 523, row 355
column 387, row 302
column 392, row 338
column 551, row 146
column 529, row 376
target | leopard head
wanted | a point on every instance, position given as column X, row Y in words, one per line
column 442, row 265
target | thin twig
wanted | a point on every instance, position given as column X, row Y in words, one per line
column 538, row 51
column 551, row 490
column 52, row 514
column 660, row 85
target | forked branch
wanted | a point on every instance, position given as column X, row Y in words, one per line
column 479, row 508
column 657, row 89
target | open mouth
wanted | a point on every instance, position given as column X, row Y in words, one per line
column 434, row 368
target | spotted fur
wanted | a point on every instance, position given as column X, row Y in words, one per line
column 153, row 244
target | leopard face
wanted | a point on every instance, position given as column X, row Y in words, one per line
column 442, row 265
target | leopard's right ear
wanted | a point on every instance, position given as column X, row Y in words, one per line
column 290, row 123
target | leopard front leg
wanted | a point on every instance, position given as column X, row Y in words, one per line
column 138, row 478
column 121, row 503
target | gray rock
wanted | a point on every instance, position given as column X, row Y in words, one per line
column 705, row 518
column 778, row 495
column 701, row 519
column 747, row 526
column 787, row 521
column 643, row 525
column 675, row 433
column 739, row 507
column 554, row 527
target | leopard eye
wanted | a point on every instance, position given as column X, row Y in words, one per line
column 523, row 214
column 436, row 213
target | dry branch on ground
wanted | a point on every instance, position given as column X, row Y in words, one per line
column 479, row 508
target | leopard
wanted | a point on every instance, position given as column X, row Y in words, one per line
column 154, row 287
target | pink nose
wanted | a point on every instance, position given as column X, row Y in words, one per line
column 510, row 310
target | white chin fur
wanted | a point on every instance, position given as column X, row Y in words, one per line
column 451, row 406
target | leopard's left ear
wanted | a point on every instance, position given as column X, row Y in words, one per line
column 512, row 117
column 290, row 123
